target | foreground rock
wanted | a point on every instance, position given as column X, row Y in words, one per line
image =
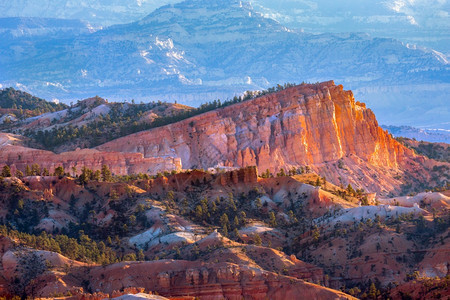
column 206, row 281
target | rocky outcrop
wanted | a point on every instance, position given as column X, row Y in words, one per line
column 315, row 125
column 206, row 281
column 244, row 175
column 18, row 157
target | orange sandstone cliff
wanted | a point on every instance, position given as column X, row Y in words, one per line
column 319, row 125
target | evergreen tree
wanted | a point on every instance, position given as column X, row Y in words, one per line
column 236, row 234
column 350, row 189
column 318, row 181
column 373, row 292
column 29, row 267
column 59, row 171
column 242, row 218
column 6, row 171
column 258, row 203
column 96, row 175
column 74, row 171
column 236, row 222
column 316, row 234
column 231, row 203
column 199, row 212
column 266, row 174
column 225, row 223
column 273, row 219
column 85, row 175
column 106, row 173
column 45, row 172
column 257, row 240
column 19, row 174
column 140, row 255
column 28, row 171
column 35, row 170
column 282, row 173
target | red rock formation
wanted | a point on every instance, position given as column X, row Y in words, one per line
column 312, row 125
column 244, row 175
column 18, row 157
column 316, row 125
column 206, row 281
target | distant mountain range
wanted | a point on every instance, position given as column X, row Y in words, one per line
column 196, row 51
column 99, row 12
column 424, row 22
column 429, row 135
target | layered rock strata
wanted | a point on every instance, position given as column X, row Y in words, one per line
column 310, row 124
column 206, row 281
column 18, row 157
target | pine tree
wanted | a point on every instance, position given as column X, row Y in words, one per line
column 231, row 203
column 273, row 219
column 28, row 171
column 257, row 240
column 6, row 171
column 258, row 203
column 204, row 204
column 140, row 255
column 74, row 171
column 96, row 175
column 236, row 234
column 113, row 196
column 85, row 175
column 45, row 172
column 316, row 234
column 318, row 181
column 35, row 170
column 373, row 292
column 59, row 171
column 242, row 218
column 19, row 174
column 106, row 173
column 29, row 267
column 225, row 223
column 199, row 212
column 282, row 173
column 350, row 189
column 236, row 222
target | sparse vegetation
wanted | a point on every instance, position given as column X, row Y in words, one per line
column 24, row 105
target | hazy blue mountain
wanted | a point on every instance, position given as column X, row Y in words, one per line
column 424, row 22
column 99, row 12
column 22, row 27
column 428, row 135
column 196, row 51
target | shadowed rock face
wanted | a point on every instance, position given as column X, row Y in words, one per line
column 207, row 281
column 18, row 157
column 309, row 124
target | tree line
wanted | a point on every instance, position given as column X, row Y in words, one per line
column 120, row 122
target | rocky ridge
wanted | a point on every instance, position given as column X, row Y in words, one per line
column 317, row 125
column 19, row 157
